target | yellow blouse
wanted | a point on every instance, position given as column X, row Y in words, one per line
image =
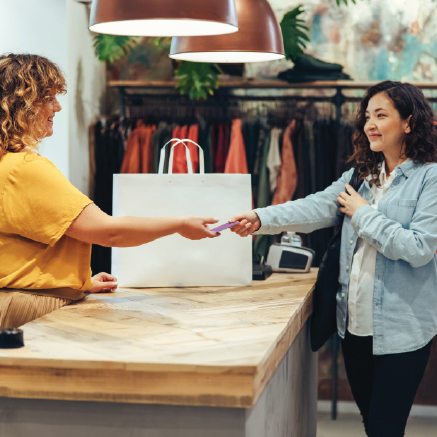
column 37, row 206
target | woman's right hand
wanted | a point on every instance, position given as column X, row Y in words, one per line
column 249, row 222
column 103, row 282
column 196, row 228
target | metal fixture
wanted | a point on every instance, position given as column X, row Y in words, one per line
column 163, row 17
column 259, row 38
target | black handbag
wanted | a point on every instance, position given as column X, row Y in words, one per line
column 324, row 316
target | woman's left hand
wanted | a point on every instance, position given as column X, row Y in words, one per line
column 103, row 282
column 350, row 202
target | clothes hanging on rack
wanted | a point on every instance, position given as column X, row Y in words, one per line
column 193, row 135
column 272, row 148
column 251, row 134
column 138, row 156
column 179, row 157
column 223, row 139
column 287, row 179
column 236, row 161
column 205, row 141
column 108, row 155
column 263, row 242
column 146, row 149
column 274, row 159
column 162, row 136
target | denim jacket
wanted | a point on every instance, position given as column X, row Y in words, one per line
column 404, row 232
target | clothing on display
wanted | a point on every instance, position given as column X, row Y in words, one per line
column 287, row 179
column 236, row 161
column 270, row 148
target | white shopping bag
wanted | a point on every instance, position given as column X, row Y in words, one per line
column 174, row 261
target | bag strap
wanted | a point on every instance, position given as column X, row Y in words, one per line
column 354, row 182
column 187, row 153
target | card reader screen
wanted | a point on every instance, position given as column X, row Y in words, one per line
column 292, row 260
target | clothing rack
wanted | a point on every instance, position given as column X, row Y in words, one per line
column 131, row 91
column 158, row 98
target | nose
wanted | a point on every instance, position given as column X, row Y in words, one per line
column 56, row 105
column 370, row 125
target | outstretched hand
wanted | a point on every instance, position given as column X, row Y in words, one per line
column 248, row 222
column 350, row 201
column 103, row 282
column 196, row 228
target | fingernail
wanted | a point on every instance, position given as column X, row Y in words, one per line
column 217, row 233
column 215, row 218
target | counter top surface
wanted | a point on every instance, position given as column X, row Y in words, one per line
column 214, row 346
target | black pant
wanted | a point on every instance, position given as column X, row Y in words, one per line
column 383, row 386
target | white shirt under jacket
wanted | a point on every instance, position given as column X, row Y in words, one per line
column 362, row 276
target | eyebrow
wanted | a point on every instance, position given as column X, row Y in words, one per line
column 376, row 110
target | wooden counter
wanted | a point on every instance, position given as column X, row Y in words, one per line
column 199, row 346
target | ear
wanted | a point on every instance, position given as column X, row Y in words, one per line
column 408, row 126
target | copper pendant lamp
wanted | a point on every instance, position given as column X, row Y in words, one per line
column 163, row 17
column 259, row 39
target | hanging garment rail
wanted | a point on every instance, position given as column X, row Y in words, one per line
column 129, row 92
column 173, row 107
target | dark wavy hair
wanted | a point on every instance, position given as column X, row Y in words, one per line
column 420, row 143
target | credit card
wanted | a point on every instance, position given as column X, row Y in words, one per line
column 223, row 227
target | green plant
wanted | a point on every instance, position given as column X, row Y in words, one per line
column 345, row 2
column 294, row 33
column 197, row 79
column 194, row 78
column 162, row 42
column 112, row 47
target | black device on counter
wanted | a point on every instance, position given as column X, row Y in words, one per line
column 11, row 338
column 261, row 272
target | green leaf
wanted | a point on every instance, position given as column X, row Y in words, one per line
column 162, row 42
column 112, row 47
column 197, row 79
column 294, row 33
column 345, row 2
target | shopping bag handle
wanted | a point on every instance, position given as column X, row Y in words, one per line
column 187, row 154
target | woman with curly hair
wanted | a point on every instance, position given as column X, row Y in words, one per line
column 47, row 226
column 387, row 300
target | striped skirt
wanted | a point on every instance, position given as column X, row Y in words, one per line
column 18, row 308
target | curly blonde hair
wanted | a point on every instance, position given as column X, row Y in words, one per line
column 27, row 85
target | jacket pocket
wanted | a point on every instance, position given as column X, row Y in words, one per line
column 402, row 211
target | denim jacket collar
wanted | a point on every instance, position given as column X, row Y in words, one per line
column 406, row 168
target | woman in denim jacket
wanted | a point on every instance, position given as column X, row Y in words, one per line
column 387, row 300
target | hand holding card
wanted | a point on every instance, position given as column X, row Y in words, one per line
column 247, row 222
column 224, row 227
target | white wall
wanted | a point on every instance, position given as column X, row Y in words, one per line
column 86, row 90
column 39, row 27
column 58, row 29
